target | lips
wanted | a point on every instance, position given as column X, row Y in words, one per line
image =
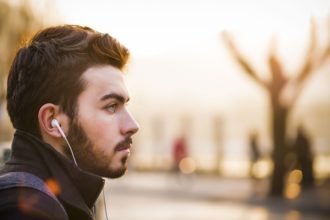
column 124, row 145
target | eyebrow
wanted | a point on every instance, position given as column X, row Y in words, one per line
column 119, row 98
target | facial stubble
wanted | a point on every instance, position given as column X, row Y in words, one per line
column 88, row 157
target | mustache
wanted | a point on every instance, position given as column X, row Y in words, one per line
column 124, row 144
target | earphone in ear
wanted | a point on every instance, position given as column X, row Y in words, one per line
column 56, row 124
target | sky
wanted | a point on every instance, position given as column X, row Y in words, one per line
column 169, row 24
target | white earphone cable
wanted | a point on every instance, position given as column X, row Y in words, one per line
column 55, row 123
column 105, row 205
column 66, row 140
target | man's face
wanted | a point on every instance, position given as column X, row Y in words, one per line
column 101, row 130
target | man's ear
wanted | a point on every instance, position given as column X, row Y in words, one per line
column 46, row 114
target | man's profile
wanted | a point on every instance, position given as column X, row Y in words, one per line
column 73, row 75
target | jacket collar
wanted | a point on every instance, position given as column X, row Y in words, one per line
column 76, row 187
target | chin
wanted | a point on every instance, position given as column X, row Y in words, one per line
column 117, row 173
column 112, row 172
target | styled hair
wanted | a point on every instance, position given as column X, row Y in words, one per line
column 49, row 68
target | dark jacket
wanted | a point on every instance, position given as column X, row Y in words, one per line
column 76, row 189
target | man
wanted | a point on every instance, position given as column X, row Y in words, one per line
column 70, row 75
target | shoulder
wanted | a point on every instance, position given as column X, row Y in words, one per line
column 28, row 203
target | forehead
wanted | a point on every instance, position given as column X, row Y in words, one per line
column 101, row 80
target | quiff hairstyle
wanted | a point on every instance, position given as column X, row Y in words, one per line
column 49, row 68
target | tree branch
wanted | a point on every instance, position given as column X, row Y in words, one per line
column 326, row 53
column 279, row 79
column 241, row 60
column 310, row 63
column 309, row 60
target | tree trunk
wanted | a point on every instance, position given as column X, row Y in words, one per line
column 279, row 118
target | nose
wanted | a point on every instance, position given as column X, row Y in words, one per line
column 129, row 125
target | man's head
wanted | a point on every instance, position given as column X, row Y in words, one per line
column 74, row 74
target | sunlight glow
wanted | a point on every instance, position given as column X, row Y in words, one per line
column 235, row 167
column 293, row 215
column 187, row 165
column 262, row 168
column 295, row 176
column 258, row 214
column 293, row 187
column 292, row 190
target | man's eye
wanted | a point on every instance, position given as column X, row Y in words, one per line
column 111, row 108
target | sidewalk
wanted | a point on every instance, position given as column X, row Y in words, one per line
column 242, row 195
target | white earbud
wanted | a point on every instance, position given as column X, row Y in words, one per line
column 56, row 124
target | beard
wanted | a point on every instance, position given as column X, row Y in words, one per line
column 90, row 158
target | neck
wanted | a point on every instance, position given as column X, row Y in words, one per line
column 58, row 145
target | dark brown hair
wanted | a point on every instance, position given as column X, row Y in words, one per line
column 49, row 68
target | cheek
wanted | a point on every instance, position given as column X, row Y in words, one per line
column 100, row 127
column 102, row 132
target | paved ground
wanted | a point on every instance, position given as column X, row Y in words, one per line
column 165, row 196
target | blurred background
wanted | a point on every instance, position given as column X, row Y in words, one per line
column 232, row 98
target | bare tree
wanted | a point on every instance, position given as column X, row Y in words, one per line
column 281, row 104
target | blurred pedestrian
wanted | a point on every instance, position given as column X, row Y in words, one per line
column 254, row 154
column 179, row 152
column 66, row 98
column 302, row 148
